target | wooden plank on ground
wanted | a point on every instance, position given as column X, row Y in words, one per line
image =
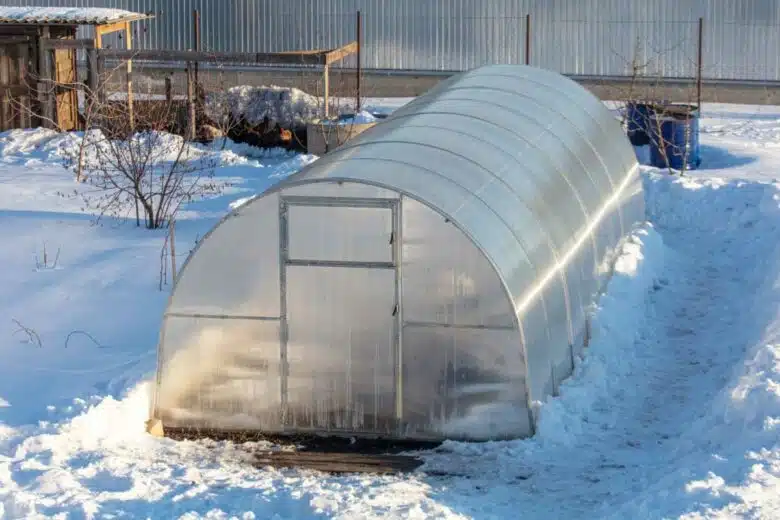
column 330, row 462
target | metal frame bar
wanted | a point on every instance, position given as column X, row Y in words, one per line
column 431, row 325
column 284, row 326
column 198, row 315
column 398, row 354
column 155, row 405
column 338, row 202
column 338, row 263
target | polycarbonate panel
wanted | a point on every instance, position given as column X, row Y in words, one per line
column 347, row 234
column 578, row 301
column 445, row 278
column 572, row 142
column 546, row 142
column 236, row 271
column 529, row 180
column 464, row 383
column 475, row 178
column 560, row 332
column 557, row 104
column 219, row 373
column 590, row 110
column 341, row 349
column 340, row 189
column 538, row 349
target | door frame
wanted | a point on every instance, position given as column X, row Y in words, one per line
column 391, row 204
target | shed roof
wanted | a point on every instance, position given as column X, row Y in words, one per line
column 67, row 15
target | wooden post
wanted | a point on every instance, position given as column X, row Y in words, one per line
column 168, row 90
column 90, row 97
column 129, row 45
column 528, row 39
column 101, row 70
column 98, row 37
column 45, row 94
column 359, row 63
column 23, row 79
column 699, row 64
column 326, row 89
column 190, row 102
column 92, row 72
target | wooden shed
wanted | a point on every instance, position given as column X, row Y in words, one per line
column 34, row 76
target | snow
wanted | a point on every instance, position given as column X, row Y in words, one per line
column 361, row 118
column 673, row 412
column 76, row 15
column 287, row 107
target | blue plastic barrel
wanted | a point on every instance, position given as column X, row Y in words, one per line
column 638, row 122
column 674, row 137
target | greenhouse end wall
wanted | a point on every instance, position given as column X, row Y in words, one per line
column 427, row 280
column 451, row 364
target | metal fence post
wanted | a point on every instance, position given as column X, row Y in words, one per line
column 699, row 64
column 528, row 39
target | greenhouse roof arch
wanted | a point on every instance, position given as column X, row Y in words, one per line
column 465, row 234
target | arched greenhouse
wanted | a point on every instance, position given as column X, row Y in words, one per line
column 427, row 280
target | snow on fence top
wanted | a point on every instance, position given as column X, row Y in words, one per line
column 66, row 15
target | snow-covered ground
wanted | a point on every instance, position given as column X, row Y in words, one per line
column 674, row 412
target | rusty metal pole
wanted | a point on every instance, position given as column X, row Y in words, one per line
column 196, row 37
column 359, row 72
column 528, row 39
column 699, row 64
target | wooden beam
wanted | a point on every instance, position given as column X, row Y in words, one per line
column 55, row 43
column 258, row 58
column 191, row 116
column 13, row 40
column 326, row 89
column 15, row 90
column 111, row 27
column 98, row 38
column 341, row 53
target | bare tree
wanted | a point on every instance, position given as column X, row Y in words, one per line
column 647, row 85
column 130, row 160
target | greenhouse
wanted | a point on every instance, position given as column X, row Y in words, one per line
column 427, row 280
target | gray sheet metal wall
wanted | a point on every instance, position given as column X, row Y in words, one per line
column 589, row 37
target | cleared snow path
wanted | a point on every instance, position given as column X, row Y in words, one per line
column 637, row 447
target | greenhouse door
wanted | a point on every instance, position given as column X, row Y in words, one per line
column 339, row 314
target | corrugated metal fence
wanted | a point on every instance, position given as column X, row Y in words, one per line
column 741, row 38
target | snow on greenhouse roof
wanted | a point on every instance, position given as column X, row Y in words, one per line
column 67, row 15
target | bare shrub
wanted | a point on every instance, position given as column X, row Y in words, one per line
column 45, row 261
column 132, row 162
